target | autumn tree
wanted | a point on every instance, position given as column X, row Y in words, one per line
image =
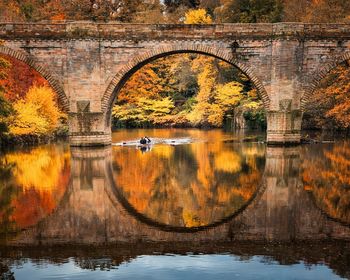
column 198, row 16
column 36, row 114
column 171, row 6
column 184, row 90
column 20, row 77
column 327, row 11
column 249, row 11
column 10, row 11
column 329, row 106
column 295, row 10
column 5, row 106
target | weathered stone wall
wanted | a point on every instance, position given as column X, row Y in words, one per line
column 87, row 63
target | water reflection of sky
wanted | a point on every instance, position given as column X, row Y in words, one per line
column 180, row 267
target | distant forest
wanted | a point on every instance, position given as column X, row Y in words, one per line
column 173, row 11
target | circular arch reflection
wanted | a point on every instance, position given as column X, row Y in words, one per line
column 219, row 182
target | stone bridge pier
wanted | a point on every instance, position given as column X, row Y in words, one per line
column 87, row 64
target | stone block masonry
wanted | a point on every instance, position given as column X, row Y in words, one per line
column 87, row 63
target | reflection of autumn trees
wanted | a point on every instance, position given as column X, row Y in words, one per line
column 189, row 185
column 32, row 184
column 7, row 191
column 327, row 177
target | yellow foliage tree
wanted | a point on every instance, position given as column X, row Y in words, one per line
column 198, row 16
column 145, row 110
column 229, row 95
column 36, row 114
column 206, row 78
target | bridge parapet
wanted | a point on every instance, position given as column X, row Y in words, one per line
column 117, row 31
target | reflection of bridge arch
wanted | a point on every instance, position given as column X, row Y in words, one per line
column 165, row 227
column 140, row 60
column 91, row 210
column 117, row 196
column 63, row 99
column 324, row 213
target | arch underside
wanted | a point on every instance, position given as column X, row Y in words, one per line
column 56, row 86
column 317, row 77
column 137, row 62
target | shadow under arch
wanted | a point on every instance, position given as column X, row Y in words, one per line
column 178, row 229
column 317, row 76
column 62, row 97
column 139, row 61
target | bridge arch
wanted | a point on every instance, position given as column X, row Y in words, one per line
column 317, row 76
column 140, row 60
column 62, row 97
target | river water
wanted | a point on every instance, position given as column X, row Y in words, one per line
column 191, row 204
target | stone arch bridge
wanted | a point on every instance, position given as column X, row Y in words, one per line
column 87, row 63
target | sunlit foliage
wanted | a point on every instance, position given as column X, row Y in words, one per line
column 28, row 105
column 145, row 110
column 185, row 90
column 36, row 114
column 5, row 105
column 174, row 11
column 329, row 106
column 20, row 77
column 198, row 16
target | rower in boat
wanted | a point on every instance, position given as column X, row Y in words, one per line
column 145, row 140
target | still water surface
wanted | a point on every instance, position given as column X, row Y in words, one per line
column 193, row 204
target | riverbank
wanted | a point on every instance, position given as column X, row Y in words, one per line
column 10, row 141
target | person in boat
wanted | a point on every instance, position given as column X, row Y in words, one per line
column 145, row 140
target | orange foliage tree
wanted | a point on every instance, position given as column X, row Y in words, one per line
column 329, row 106
column 20, row 77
